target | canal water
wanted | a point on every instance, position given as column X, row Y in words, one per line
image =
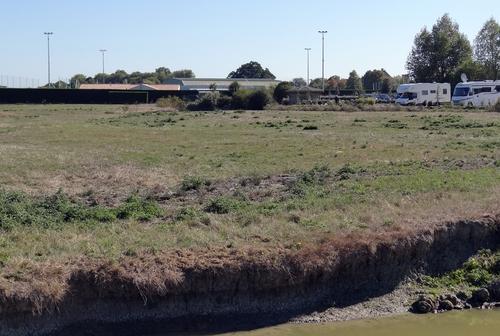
column 464, row 323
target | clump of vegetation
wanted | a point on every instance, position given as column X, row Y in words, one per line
column 222, row 205
column 138, row 208
column 18, row 209
column 394, row 123
column 145, row 119
column 310, row 128
column 207, row 103
column 171, row 103
column 496, row 107
column 451, row 121
column 366, row 101
column 478, row 271
column 194, row 183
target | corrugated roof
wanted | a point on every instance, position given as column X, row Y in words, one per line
column 107, row 86
column 153, row 87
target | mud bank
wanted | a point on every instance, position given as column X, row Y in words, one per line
column 227, row 289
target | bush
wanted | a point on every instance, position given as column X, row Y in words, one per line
column 171, row 103
column 257, row 100
column 224, row 103
column 17, row 209
column 138, row 208
column 193, row 183
column 281, row 90
column 496, row 107
column 221, row 205
column 205, row 103
column 240, row 99
column 366, row 101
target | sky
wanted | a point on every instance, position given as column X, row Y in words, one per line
column 214, row 37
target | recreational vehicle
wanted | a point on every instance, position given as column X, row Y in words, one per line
column 423, row 94
column 477, row 94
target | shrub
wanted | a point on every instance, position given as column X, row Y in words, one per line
column 221, row 205
column 187, row 213
column 310, row 128
column 205, row 103
column 257, row 100
column 366, row 101
column 171, row 103
column 193, row 183
column 224, row 103
column 138, row 208
column 240, row 99
column 281, row 90
column 496, row 107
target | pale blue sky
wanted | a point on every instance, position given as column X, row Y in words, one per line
column 214, row 37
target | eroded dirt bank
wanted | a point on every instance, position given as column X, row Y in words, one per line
column 222, row 289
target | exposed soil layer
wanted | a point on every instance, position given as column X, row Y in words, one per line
column 223, row 289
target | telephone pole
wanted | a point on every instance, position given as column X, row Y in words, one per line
column 48, row 34
column 102, row 52
column 322, row 32
column 308, row 50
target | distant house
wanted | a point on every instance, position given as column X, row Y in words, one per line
column 221, row 84
column 304, row 94
column 144, row 87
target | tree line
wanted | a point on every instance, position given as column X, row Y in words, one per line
column 441, row 54
column 122, row 77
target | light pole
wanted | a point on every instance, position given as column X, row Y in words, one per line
column 48, row 55
column 102, row 52
column 322, row 32
column 308, row 50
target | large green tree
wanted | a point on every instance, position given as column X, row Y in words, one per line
column 354, row 83
column 281, row 91
column 77, row 80
column 185, row 73
column 377, row 80
column 437, row 54
column 487, row 49
column 251, row 70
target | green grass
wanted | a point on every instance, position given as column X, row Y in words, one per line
column 478, row 271
column 140, row 178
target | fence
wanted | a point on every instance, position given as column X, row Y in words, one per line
column 76, row 96
column 18, row 82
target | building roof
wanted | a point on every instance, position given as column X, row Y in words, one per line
column 107, row 86
column 305, row 89
column 151, row 87
column 221, row 83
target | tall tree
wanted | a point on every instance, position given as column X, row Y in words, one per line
column 336, row 83
column 251, row 70
column 77, row 80
column 299, row 82
column 184, row 73
column 437, row 54
column 487, row 48
column 163, row 74
column 374, row 79
column 281, row 91
column 354, row 83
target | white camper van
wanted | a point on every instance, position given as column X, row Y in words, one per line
column 477, row 94
column 423, row 94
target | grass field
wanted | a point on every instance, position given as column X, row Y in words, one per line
column 107, row 181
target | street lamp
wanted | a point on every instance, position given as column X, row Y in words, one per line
column 48, row 55
column 308, row 50
column 322, row 32
column 102, row 52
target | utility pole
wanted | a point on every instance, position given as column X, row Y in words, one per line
column 102, row 52
column 308, row 50
column 48, row 34
column 322, row 32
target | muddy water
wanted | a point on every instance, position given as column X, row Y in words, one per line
column 477, row 323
